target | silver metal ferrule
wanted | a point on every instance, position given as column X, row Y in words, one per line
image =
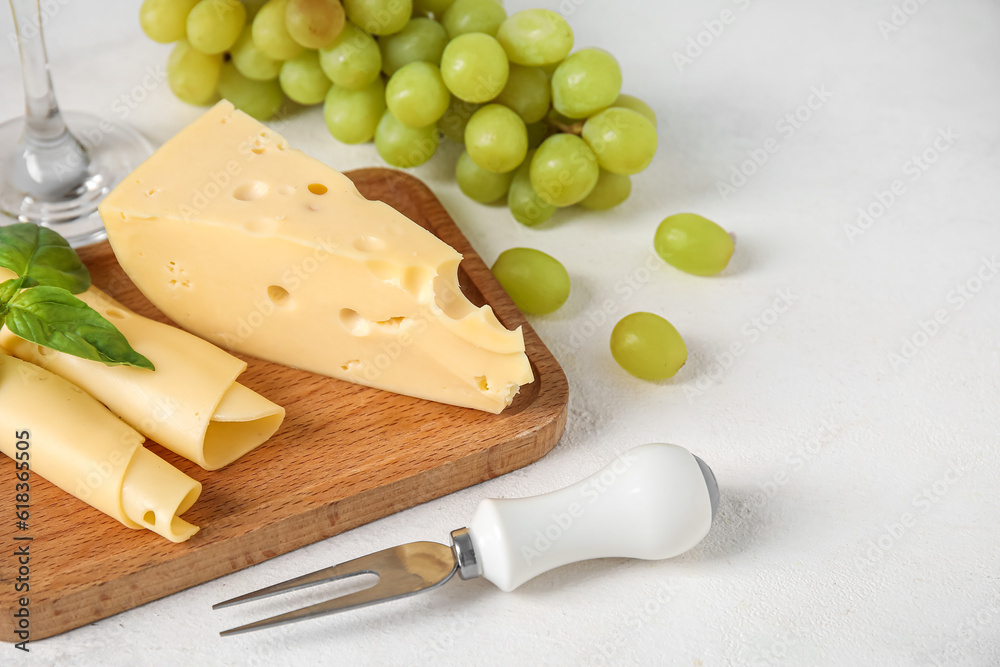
column 469, row 566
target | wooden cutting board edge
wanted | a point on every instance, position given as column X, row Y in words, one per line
column 53, row 614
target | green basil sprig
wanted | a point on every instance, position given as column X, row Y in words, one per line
column 39, row 305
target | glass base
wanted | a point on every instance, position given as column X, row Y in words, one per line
column 114, row 149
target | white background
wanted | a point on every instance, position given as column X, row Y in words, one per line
column 821, row 441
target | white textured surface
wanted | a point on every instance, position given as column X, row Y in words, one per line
column 823, row 447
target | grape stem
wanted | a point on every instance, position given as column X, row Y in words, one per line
column 576, row 128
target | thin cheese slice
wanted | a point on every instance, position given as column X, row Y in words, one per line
column 262, row 249
column 80, row 446
column 191, row 404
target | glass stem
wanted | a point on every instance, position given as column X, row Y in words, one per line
column 49, row 163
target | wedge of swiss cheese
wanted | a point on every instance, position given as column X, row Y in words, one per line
column 264, row 250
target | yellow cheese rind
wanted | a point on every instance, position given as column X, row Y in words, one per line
column 263, row 250
column 176, row 404
column 80, row 446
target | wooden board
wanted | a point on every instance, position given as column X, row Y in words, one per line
column 345, row 455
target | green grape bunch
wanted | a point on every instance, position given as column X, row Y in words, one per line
column 543, row 126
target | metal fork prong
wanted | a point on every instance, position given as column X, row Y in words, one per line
column 402, row 571
column 368, row 596
column 327, row 574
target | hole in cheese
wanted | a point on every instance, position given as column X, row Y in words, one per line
column 279, row 296
column 351, row 365
column 385, row 271
column 393, row 323
column 259, row 150
column 149, row 517
column 114, row 313
column 317, row 188
column 353, row 323
column 415, row 280
column 369, row 244
column 483, row 384
column 449, row 298
column 251, row 190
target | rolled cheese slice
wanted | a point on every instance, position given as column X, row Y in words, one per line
column 191, row 404
column 76, row 443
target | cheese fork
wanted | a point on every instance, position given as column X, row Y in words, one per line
column 653, row 501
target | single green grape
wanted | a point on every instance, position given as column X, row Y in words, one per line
column 421, row 39
column 478, row 183
column 192, row 75
column 611, row 189
column 564, row 170
column 474, row 67
column 693, row 244
column 535, row 37
column 586, row 82
column 314, row 23
column 538, row 283
column 416, row 94
column 527, row 92
column 379, row 17
column 214, row 25
column 270, row 32
column 403, row 146
column 456, row 118
column 623, row 140
column 466, row 16
column 524, row 203
column 352, row 115
column 260, row 99
column 252, row 63
column 303, row 80
column 352, row 60
column 648, row 346
column 436, row 7
column 165, row 21
column 496, row 138
column 635, row 104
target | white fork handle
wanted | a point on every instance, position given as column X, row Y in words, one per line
column 654, row 501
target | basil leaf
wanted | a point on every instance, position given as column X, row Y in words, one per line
column 54, row 318
column 7, row 291
column 42, row 257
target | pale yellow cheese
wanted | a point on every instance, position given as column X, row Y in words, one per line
column 76, row 443
column 191, row 404
column 262, row 249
